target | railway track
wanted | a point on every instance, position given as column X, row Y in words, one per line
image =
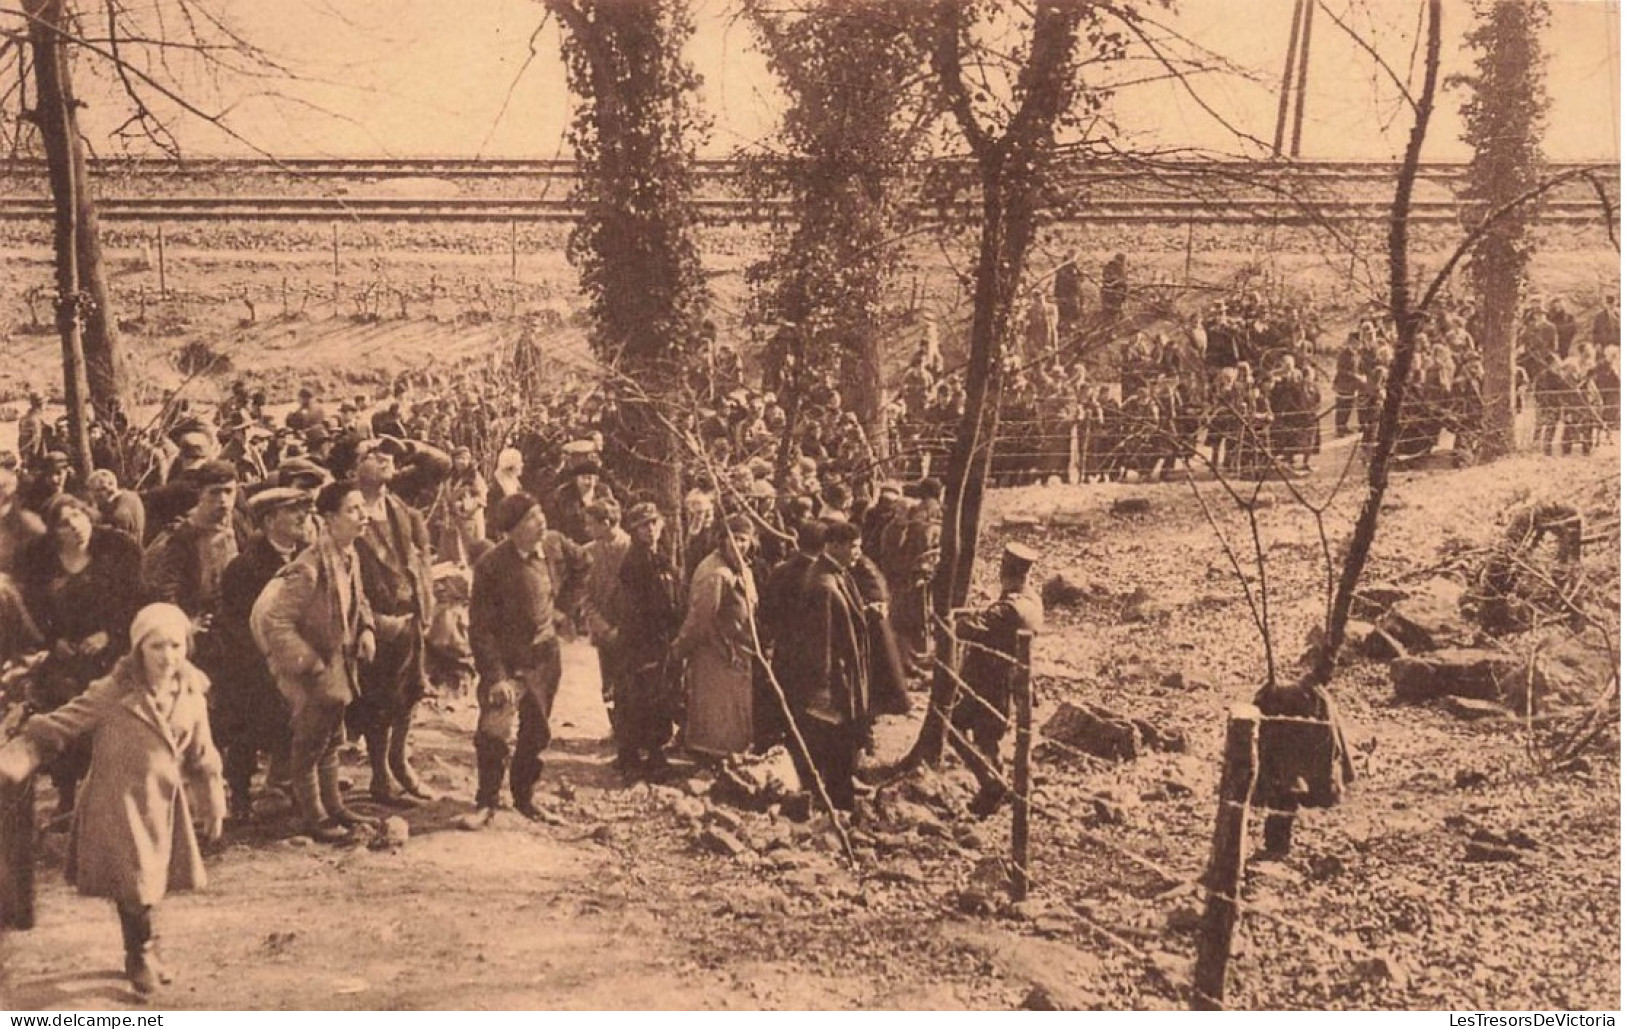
column 1195, row 193
column 1241, row 211
column 710, row 169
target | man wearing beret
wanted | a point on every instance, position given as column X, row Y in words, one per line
column 988, row 640
column 395, row 573
column 249, row 716
column 521, row 586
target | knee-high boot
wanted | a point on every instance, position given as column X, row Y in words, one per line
column 327, row 780
column 142, row 963
column 400, row 765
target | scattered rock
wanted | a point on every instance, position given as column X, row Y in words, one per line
column 970, row 837
column 688, row 807
column 1470, row 778
column 393, row 835
column 1140, row 606
column 1457, row 671
column 906, row 814
column 1379, row 645
column 1429, row 619
column 721, row 841
column 726, row 819
column 1108, row 812
column 697, row 787
column 1061, row 592
column 1372, row 602
column 1186, row 680
column 1184, row 918
column 1382, row 968
column 1040, row 999
column 1516, row 839
column 1478, row 851
column 1326, row 866
column 1078, row 727
column 906, row 871
column 974, row 901
column 1130, row 506
column 1470, row 710
column 756, row 782
column 1570, row 672
column 566, row 790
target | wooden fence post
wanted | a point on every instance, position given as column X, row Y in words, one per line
column 1223, row 876
column 163, row 279
column 1021, row 803
column 335, row 226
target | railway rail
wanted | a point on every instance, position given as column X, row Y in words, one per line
column 508, row 209
column 1191, row 193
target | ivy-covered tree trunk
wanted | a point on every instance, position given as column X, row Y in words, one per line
column 1504, row 114
column 849, row 131
column 636, row 131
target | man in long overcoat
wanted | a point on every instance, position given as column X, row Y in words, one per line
column 647, row 615
column 250, row 716
column 825, row 665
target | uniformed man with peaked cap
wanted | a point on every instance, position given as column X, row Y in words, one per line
column 988, row 668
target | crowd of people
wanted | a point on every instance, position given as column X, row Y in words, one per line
column 271, row 586
column 1243, row 388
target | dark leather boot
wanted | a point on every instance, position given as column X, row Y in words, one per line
column 143, row 965
column 313, row 817
column 332, row 798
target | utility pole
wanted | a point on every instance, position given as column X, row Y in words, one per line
column 1286, row 78
column 1303, row 76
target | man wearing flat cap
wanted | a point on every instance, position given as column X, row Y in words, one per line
column 520, row 588
column 184, row 564
column 250, row 717
column 988, row 667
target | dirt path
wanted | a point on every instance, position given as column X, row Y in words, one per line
column 519, row 916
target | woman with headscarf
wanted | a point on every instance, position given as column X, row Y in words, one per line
column 132, row 839
column 504, row 483
column 81, row 586
column 718, row 642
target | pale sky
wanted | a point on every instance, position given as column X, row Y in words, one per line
column 406, row 78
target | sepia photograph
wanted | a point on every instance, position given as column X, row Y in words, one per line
column 810, row 505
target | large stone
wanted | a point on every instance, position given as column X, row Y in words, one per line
column 1458, row 671
column 1379, row 645
column 1429, row 619
column 1131, row 506
column 1571, row 673
column 721, row 841
column 1470, row 710
column 1372, row 602
column 1115, row 739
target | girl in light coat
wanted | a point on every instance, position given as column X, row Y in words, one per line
column 152, row 759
